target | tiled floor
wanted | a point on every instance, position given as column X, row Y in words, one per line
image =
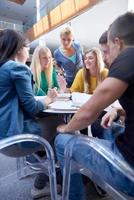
column 13, row 189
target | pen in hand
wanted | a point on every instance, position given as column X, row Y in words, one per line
column 52, row 93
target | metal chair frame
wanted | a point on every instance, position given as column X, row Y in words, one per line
column 4, row 143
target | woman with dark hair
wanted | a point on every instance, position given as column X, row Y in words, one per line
column 18, row 107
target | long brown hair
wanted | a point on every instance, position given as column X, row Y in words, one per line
column 99, row 67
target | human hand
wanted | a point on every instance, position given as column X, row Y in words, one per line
column 108, row 118
column 61, row 128
column 62, row 83
column 52, row 94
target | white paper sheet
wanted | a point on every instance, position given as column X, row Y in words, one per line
column 40, row 97
column 64, row 96
column 79, row 99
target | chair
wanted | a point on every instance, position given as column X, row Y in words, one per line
column 118, row 164
column 24, row 169
column 5, row 143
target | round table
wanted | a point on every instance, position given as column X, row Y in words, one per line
column 65, row 108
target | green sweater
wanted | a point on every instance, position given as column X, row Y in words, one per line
column 44, row 84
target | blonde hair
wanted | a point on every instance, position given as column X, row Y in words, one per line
column 99, row 67
column 36, row 66
column 66, row 31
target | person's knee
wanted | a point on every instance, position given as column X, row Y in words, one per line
column 57, row 140
column 61, row 141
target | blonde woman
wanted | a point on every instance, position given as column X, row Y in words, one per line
column 44, row 75
column 91, row 75
column 43, row 70
column 69, row 55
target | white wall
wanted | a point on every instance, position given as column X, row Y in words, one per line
column 89, row 26
column 131, row 5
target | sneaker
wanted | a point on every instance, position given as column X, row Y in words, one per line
column 30, row 160
column 99, row 191
column 59, row 176
column 38, row 193
column 41, row 181
column 36, row 163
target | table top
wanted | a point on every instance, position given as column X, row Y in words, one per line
column 59, row 111
column 66, row 106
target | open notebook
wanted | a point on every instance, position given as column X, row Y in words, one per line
column 78, row 99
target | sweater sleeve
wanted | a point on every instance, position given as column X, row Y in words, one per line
column 78, row 83
column 104, row 73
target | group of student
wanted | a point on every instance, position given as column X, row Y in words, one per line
column 20, row 111
column 82, row 72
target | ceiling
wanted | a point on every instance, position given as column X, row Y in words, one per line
column 23, row 13
column 87, row 27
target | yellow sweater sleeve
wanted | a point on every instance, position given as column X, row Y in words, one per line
column 104, row 73
column 78, row 83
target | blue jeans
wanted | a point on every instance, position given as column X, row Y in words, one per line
column 95, row 162
column 108, row 134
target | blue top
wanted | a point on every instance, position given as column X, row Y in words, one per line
column 17, row 103
column 68, row 64
column 73, row 58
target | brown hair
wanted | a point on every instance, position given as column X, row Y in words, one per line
column 11, row 42
column 99, row 66
column 103, row 38
column 123, row 28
